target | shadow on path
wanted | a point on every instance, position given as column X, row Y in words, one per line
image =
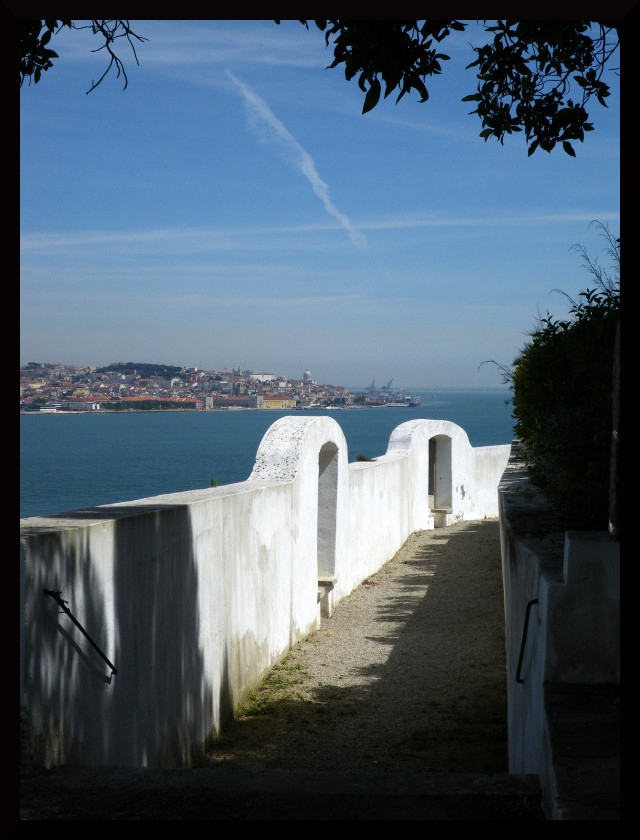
column 408, row 675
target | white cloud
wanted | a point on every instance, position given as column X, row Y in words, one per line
column 207, row 239
column 269, row 128
column 246, row 42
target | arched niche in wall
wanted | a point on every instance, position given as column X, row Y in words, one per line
column 440, row 473
column 327, row 509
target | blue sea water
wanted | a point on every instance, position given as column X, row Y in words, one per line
column 71, row 461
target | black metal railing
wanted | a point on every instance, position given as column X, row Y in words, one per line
column 57, row 597
column 525, row 630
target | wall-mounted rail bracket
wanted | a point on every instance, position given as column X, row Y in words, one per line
column 57, row 597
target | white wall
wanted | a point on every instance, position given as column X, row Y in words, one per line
column 193, row 596
column 572, row 582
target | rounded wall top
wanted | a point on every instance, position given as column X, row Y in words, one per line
column 404, row 436
column 281, row 449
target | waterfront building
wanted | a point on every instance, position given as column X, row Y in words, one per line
column 281, row 402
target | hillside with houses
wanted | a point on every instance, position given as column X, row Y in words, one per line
column 49, row 387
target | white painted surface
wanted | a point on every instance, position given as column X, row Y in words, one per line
column 573, row 634
column 193, row 596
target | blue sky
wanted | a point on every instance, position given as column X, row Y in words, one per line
column 233, row 207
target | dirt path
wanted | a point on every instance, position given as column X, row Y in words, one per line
column 407, row 675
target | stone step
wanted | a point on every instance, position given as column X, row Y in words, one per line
column 442, row 516
column 325, row 596
column 201, row 793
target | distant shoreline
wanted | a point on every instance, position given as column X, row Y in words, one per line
column 213, row 410
column 254, row 408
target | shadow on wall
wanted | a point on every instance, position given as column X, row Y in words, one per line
column 440, row 477
column 159, row 651
column 57, row 656
column 159, row 704
column 327, row 509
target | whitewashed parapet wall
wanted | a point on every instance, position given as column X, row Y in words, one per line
column 192, row 596
column 562, row 622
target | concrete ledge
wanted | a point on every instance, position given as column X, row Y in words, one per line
column 124, row 793
column 284, row 781
column 583, row 726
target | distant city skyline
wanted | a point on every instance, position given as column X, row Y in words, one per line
column 233, row 206
column 257, row 372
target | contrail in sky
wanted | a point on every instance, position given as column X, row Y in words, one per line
column 261, row 115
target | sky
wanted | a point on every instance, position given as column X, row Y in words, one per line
column 233, row 207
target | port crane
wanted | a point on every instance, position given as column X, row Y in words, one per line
column 385, row 395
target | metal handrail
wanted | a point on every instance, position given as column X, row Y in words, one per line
column 58, row 599
column 524, row 639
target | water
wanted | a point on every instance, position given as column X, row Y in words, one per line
column 71, row 461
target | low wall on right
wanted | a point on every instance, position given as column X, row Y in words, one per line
column 562, row 615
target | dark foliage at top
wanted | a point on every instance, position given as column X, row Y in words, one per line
column 36, row 55
column 525, row 72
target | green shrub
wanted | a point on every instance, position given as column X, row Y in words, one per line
column 562, row 401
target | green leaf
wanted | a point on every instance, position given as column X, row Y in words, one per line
column 568, row 148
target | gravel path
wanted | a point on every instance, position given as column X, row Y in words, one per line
column 409, row 673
